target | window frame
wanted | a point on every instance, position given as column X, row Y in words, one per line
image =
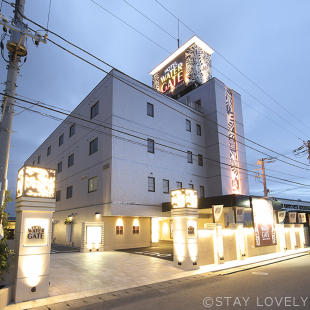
column 189, row 127
column 200, row 160
column 153, row 189
column 49, row 151
column 94, row 190
column 59, row 165
column 61, row 140
column 179, row 183
column 198, row 128
column 151, row 105
column 72, row 130
column 202, row 188
column 90, row 143
column 189, row 157
column 191, row 185
column 67, row 196
column 39, row 159
column 70, row 156
column 58, row 197
column 150, row 146
column 165, row 192
column 96, row 110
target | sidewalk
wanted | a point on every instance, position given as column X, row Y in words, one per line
column 79, row 276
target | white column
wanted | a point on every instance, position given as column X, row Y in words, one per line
column 281, row 243
column 33, row 234
column 185, row 238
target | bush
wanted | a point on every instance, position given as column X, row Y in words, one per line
column 6, row 254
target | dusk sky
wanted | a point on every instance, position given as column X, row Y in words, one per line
column 261, row 48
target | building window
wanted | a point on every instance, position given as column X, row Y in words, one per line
column 61, row 139
column 191, row 186
column 58, row 193
column 49, row 151
column 150, row 109
column 198, row 102
column 33, row 163
column 179, row 185
column 202, row 191
column 150, row 145
column 72, row 130
column 69, row 191
column 200, row 160
column 189, row 157
column 39, row 159
column 166, row 186
column 188, row 125
column 92, row 184
column 198, row 129
column 135, row 230
column 59, row 167
column 71, row 160
column 151, row 184
column 119, row 230
column 94, row 110
column 93, row 146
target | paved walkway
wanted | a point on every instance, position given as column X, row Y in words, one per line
column 79, row 275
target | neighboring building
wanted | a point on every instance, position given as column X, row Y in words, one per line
column 127, row 145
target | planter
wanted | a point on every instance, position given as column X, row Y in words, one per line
column 6, row 294
column 68, row 232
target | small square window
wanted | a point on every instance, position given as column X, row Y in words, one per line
column 39, row 159
column 94, row 110
column 189, row 157
column 92, row 184
column 61, row 139
column 59, row 167
column 166, row 186
column 179, row 185
column 72, row 130
column 200, row 160
column 119, row 230
column 188, row 125
column 58, row 193
column 69, row 191
column 198, row 129
column 151, row 184
column 49, row 151
column 202, row 191
column 191, row 186
column 150, row 109
column 71, row 160
column 150, row 145
column 135, row 230
column 93, row 146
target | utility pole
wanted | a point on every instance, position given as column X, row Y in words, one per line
column 17, row 49
column 307, row 145
column 261, row 166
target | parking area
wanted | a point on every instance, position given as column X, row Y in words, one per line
column 163, row 250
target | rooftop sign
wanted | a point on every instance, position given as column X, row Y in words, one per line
column 189, row 64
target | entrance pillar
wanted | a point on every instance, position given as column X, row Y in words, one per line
column 185, row 228
column 281, row 246
column 35, row 204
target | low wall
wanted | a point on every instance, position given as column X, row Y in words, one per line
column 6, row 296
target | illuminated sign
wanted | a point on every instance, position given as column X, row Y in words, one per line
column 292, row 217
column 36, row 232
column 281, row 216
column 93, row 235
column 189, row 64
column 264, row 228
column 36, row 182
column 217, row 212
column 302, row 218
column 184, row 198
column 239, row 213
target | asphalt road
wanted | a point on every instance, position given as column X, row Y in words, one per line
column 283, row 285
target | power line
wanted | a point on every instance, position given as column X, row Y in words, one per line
column 145, row 139
column 175, row 101
column 237, row 69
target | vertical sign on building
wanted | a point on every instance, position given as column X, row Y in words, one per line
column 232, row 136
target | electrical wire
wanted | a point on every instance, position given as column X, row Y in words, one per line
column 48, row 17
column 237, row 69
column 175, row 101
column 145, row 140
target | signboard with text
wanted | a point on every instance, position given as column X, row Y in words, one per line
column 264, row 227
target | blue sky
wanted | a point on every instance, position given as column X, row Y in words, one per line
column 266, row 40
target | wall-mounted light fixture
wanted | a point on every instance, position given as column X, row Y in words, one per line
column 97, row 214
column 34, row 289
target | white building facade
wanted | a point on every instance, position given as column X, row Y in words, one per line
column 127, row 145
